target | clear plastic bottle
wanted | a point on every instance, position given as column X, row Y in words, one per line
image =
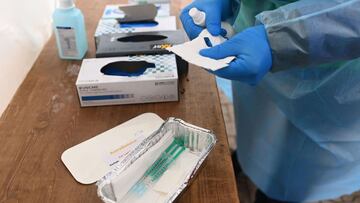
column 199, row 18
column 70, row 32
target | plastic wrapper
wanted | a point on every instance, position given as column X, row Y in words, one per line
column 130, row 181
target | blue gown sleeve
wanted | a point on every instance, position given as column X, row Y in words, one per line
column 313, row 32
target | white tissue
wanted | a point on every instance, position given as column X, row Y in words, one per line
column 189, row 51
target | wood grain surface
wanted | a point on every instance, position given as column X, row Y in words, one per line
column 44, row 119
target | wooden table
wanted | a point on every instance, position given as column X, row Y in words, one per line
column 44, row 119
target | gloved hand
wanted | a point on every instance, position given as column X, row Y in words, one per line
column 215, row 10
column 253, row 55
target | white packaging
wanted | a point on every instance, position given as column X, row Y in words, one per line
column 92, row 159
column 189, row 51
column 157, row 84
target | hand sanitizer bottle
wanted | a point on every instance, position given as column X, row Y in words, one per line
column 70, row 32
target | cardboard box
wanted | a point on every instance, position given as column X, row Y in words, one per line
column 109, row 21
column 112, row 11
column 109, row 26
column 124, row 44
column 120, row 80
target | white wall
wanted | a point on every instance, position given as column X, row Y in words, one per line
column 25, row 27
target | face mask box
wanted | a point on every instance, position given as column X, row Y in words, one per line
column 112, row 26
column 128, row 80
column 124, row 44
column 114, row 20
column 114, row 11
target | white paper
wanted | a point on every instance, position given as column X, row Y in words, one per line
column 168, row 184
column 189, row 51
column 93, row 158
column 125, row 181
column 175, row 175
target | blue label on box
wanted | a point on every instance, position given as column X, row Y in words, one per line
column 107, row 97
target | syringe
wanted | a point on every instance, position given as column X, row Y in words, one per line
column 156, row 170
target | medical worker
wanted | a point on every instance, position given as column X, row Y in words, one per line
column 296, row 87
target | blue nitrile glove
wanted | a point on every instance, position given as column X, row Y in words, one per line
column 253, row 55
column 215, row 10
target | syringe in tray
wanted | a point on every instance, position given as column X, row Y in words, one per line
column 157, row 169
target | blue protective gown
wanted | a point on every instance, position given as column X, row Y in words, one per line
column 299, row 129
